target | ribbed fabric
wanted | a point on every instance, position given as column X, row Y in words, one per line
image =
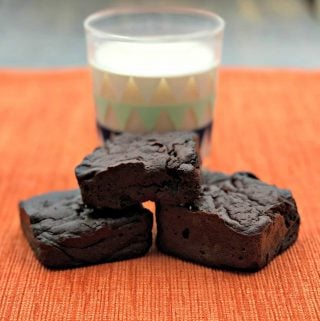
column 267, row 122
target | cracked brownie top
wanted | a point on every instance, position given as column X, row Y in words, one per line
column 245, row 203
column 170, row 151
column 138, row 168
column 63, row 215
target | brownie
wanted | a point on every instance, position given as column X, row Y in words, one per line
column 238, row 222
column 133, row 168
column 65, row 233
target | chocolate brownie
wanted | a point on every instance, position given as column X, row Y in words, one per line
column 131, row 169
column 65, row 233
column 237, row 222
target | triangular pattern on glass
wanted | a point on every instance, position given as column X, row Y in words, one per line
column 191, row 91
column 107, row 89
column 101, row 107
column 123, row 112
column 212, row 80
column 110, row 118
column 149, row 116
column 176, row 115
column 164, row 123
column 147, row 87
column 163, row 94
column 97, row 78
column 135, row 123
column 189, row 120
column 178, row 87
column 118, row 83
column 203, row 85
column 204, row 113
column 131, row 94
column 199, row 109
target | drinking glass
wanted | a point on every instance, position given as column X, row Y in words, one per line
column 154, row 69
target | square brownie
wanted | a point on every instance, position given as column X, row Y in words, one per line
column 63, row 232
column 238, row 222
column 133, row 168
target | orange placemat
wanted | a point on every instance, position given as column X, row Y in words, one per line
column 266, row 121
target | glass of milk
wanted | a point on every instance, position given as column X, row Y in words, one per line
column 154, row 69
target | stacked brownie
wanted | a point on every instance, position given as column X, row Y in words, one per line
column 130, row 169
column 209, row 218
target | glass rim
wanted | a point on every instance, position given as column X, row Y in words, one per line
column 168, row 9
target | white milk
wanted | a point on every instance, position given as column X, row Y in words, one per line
column 154, row 59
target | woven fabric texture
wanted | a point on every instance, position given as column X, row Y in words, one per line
column 266, row 121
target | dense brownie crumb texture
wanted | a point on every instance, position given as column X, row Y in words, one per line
column 213, row 219
column 237, row 222
column 64, row 232
column 132, row 169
